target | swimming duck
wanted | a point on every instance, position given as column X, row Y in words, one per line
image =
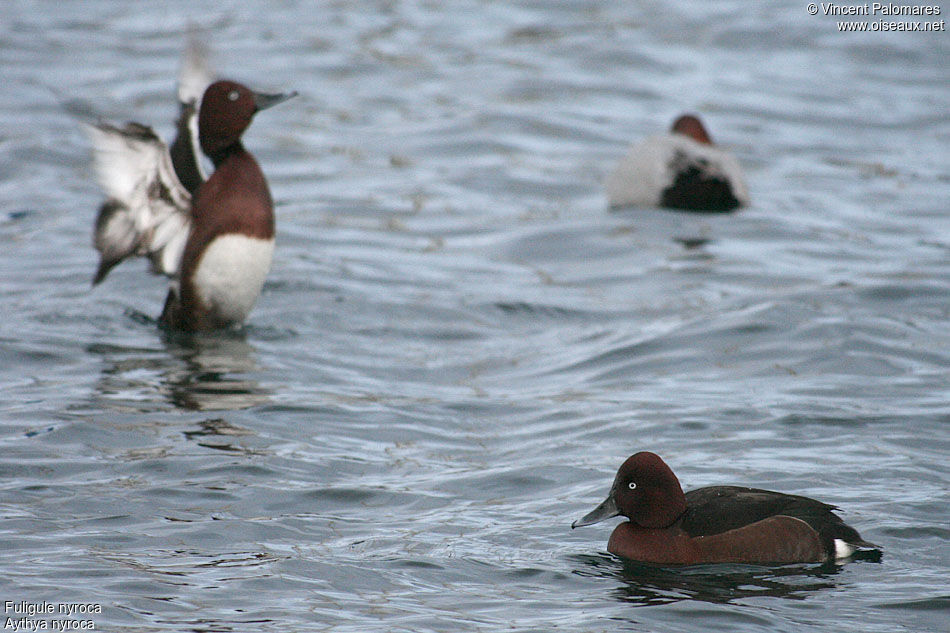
column 717, row 524
column 679, row 170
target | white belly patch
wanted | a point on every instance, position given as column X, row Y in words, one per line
column 231, row 273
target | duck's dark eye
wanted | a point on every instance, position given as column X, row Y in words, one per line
column 632, row 485
column 234, row 95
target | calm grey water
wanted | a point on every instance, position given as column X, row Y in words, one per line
column 458, row 343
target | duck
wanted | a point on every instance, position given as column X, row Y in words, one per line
column 212, row 235
column 679, row 170
column 716, row 524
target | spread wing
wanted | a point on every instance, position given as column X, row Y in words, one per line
column 149, row 186
column 148, row 210
column 195, row 76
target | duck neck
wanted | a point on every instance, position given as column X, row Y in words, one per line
column 219, row 156
column 666, row 510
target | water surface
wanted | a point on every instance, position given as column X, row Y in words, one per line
column 458, row 344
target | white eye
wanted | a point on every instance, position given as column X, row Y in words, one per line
column 632, row 485
column 234, row 95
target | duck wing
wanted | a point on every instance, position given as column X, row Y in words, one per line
column 718, row 509
column 195, row 76
column 148, row 210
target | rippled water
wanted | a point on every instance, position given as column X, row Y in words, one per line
column 458, row 343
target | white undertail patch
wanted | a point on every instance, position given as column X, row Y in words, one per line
column 843, row 549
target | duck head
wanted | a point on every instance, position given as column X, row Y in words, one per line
column 645, row 491
column 227, row 108
column 690, row 125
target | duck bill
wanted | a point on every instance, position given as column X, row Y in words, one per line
column 605, row 510
column 262, row 100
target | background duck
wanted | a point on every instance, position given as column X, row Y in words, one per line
column 679, row 170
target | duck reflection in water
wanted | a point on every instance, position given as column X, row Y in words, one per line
column 646, row 585
column 213, row 376
column 196, row 372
